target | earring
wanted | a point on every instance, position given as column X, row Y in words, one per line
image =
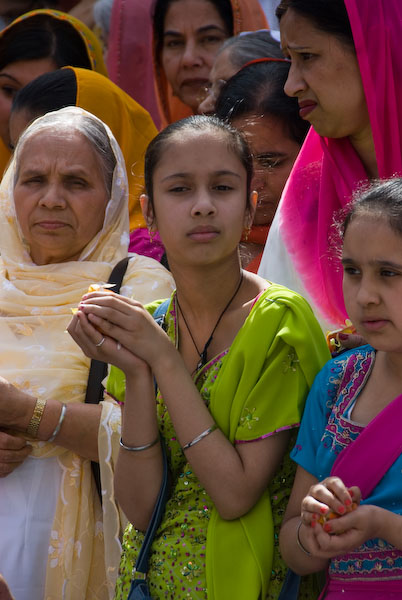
column 246, row 233
column 151, row 235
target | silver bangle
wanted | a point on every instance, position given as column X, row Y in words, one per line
column 59, row 423
column 138, row 448
column 298, row 540
column 200, row 437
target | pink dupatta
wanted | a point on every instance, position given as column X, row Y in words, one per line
column 364, row 463
column 328, row 171
column 129, row 58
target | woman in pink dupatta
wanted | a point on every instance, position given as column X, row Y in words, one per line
column 328, row 170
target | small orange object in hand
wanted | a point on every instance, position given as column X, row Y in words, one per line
column 329, row 516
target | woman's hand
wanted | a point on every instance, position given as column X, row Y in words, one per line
column 16, row 406
column 13, row 452
column 125, row 325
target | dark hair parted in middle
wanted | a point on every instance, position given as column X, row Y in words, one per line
column 159, row 145
column 329, row 16
column 42, row 36
column 223, row 7
column 257, row 90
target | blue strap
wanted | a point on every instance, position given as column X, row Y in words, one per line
column 141, row 565
column 160, row 312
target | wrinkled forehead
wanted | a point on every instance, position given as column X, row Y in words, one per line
column 54, row 135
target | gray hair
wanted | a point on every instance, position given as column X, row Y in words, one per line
column 250, row 46
column 73, row 119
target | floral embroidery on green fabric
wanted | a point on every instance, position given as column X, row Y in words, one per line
column 291, row 363
column 248, row 418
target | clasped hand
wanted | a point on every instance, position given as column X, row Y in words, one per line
column 335, row 521
column 132, row 338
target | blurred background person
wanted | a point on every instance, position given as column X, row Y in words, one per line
column 231, row 57
column 187, row 35
column 36, row 43
column 254, row 102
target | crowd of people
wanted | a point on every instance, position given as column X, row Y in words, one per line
column 200, row 283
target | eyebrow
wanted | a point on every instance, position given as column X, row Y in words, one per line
column 200, row 30
column 379, row 263
column 290, row 47
column 184, row 175
column 71, row 172
column 9, row 77
column 269, row 154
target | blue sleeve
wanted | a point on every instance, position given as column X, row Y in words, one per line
column 315, row 417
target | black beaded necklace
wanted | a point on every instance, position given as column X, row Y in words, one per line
column 203, row 353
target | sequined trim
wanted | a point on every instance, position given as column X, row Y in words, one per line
column 267, row 435
column 375, row 560
column 340, row 430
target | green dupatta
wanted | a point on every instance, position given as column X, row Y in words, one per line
column 264, row 380
column 261, row 389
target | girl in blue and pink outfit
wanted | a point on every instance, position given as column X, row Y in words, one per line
column 344, row 512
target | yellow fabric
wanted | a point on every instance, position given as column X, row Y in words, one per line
column 93, row 46
column 247, row 16
column 37, row 355
column 131, row 125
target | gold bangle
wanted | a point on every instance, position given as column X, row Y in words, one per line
column 32, row 429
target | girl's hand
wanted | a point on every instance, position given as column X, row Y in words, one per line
column 13, row 452
column 329, row 495
column 345, row 534
column 127, row 322
column 110, row 350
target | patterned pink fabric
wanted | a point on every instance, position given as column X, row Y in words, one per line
column 328, row 171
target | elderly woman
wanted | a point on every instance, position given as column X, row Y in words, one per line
column 64, row 225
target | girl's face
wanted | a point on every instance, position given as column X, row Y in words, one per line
column 199, row 194
column 273, row 156
column 372, row 281
column 193, row 34
column 325, row 77
column 14, row 77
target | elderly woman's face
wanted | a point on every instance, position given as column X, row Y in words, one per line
column 60, row 195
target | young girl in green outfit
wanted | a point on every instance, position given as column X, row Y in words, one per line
column 233, row 362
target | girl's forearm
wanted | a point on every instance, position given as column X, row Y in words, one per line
column 138, row 473
column 239, row 474
column 295, row 550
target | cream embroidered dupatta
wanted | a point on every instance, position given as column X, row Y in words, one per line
column 36, row 354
